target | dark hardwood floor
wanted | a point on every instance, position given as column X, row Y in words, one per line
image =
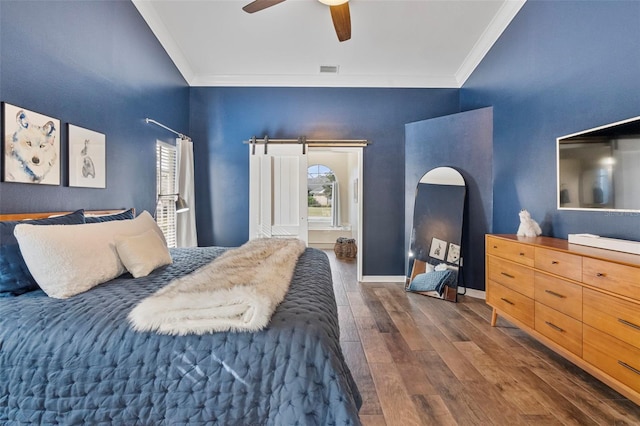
column 423, row 361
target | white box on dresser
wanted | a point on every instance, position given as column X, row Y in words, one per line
column 626, row 246
column 582, row 302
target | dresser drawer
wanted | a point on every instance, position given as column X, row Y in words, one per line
column 614, row 357
column 561, row 328
column 511, row 302
column 620, row 279
column 559, row 263
column 612, row 315
column 512, row 275
column 514, row 251
column 559, row 294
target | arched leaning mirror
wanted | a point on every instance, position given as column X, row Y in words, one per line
column 436, row 238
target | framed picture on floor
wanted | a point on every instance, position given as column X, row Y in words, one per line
column 438, row 248
column 453, row 254
column 31, row 143
column 87, row 158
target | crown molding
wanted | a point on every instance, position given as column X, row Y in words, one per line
column 494, row 30
column 289, row 80
column 159, row 29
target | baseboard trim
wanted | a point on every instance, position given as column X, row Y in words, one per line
column 471, row 292
column 383, row 278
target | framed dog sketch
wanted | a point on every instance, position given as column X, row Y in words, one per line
column 31, row 144
column 438, row 248
column 87, row 158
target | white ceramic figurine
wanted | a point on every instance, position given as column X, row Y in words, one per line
column 528, row 227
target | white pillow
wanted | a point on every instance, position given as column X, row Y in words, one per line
column 66, row 260
column 142, row 253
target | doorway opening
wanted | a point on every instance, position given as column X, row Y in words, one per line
column 334, row 197
column 280, row 195
column 332, row 204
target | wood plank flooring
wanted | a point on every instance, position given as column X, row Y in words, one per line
column 423, row 361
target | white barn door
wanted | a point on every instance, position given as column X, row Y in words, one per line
column 278, row 193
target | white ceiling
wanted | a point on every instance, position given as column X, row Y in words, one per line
column 394, row 43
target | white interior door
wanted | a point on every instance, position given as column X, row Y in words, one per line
column 278, row 192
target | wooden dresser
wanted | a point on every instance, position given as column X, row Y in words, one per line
column 582, row 302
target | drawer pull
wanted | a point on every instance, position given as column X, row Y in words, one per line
column 627, row 366
column 495, row 247
column 629, row 324
column 600, row 274
column 554, row 262
column 507, row 300
column 521, row 254
column 553, row 293
column 507, row 275
column 555, row 327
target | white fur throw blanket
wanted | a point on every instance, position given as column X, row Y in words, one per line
column 238, row 291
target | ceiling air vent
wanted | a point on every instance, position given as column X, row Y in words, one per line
column 329, row 69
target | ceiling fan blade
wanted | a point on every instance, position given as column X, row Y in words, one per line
column 258, row 5
column 342, row 21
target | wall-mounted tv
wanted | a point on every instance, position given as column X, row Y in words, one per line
column 599, row 169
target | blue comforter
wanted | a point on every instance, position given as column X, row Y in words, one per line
column 77, row 361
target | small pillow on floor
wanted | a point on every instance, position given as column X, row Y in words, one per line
column 142, row 253
column 432, row 281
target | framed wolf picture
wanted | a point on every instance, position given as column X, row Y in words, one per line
column 87, row 158
column 31, row 144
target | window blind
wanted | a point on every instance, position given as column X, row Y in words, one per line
column 166, row 166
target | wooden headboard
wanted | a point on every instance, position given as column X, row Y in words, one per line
column 44, row 215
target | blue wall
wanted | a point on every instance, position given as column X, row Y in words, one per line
column 221, row 118
column 95, row 64
column 560, row 67
column 463, row 141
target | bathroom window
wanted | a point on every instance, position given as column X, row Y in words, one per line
column 321, row 188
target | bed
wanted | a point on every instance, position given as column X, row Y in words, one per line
column 77, row 360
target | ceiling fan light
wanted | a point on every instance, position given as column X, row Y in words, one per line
column 333, row 2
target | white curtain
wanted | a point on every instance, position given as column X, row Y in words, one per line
column 186, row 235
column 335, row 205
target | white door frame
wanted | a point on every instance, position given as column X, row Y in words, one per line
column 254, row 198
column 360, row 192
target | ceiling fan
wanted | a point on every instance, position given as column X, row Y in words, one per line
column 339, row 14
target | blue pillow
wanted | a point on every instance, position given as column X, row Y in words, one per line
column 108, row 218
column 15, row 278
column 432, row 281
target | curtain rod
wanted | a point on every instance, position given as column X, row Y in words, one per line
column 180, row 135
column 302, row 140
